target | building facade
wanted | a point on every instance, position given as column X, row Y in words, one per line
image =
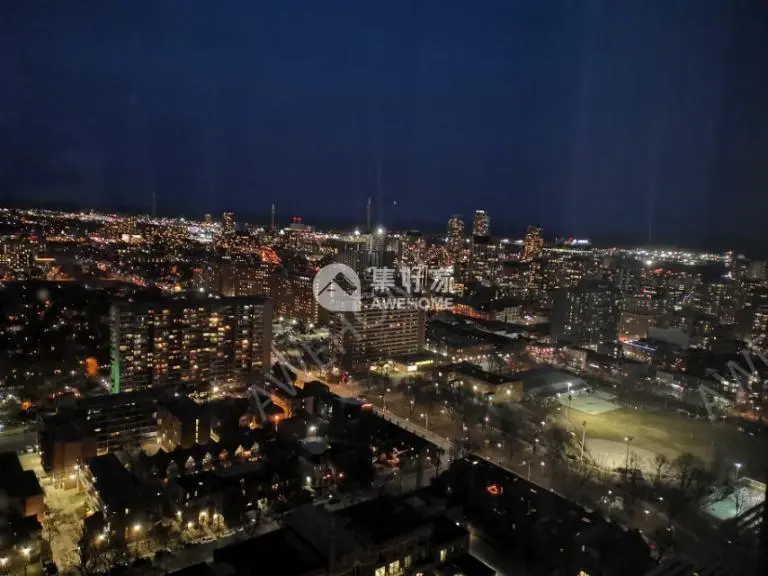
column 481, row 223
column 165, row 341
column 587, row 314
column 372, row 333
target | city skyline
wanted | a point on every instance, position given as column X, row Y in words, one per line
column 651, row 129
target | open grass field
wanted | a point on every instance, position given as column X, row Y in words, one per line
column 673, row 434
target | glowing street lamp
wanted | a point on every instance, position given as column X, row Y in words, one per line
column 738, row 466
column 26, row 552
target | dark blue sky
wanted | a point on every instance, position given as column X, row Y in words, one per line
column 580, row 115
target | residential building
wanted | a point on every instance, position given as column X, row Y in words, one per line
column 158, row 341
column 587, row 314
column 374, row 333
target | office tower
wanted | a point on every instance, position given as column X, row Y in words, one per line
column 373, row 333
column 228, row 223
column 534, row 243
column 295, row 299
column 484, row 261
column 455, row 243
column 381, row 249
column 481, row 223
column 412, row 248
column 757, row 271
column 352, row 252
column 587, row 314
column 157, row 341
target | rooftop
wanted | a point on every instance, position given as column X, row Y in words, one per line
column 472, row 371
column 382, row 519
column 273, row 554
column 14, row 480
column 117, row 487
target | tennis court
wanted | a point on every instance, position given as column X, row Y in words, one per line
column 744, row 497
column 591, row 404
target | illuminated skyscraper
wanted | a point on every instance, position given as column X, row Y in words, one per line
column 272, row 219
column 228, row 223
column 455, row 243
column 534, row 243
column 481, row 223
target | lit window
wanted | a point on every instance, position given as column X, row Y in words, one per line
column 443, row 555
column 381, row 571
column 394, row 567
column 407, row 561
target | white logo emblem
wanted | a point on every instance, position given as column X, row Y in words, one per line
column 337, row 288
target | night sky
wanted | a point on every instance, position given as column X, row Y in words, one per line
column 585, row 116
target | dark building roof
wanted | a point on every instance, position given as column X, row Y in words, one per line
column 446, row 531
column 15, row 481
column 117, row 487
column 473, row 371
column 273, row 554
column 201, row 569
column 183, row 408
column 382, row 519
column 466, row 565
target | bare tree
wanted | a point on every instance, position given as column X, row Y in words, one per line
column 661, row 466
column 632, row 486
column 49, row 523
column 97, row 554
column 685, row 467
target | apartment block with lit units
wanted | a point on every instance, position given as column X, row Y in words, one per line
column 182, row 423
column 372, row 333
column 534, row 243
column 166, row 340
column 587, row 314
column 294, row 299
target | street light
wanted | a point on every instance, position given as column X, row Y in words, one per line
column 738, row 466
column 583, row 440
column 627, row 439
column 26, row 552
column 426, row 420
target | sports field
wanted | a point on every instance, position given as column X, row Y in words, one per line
column 671, row 434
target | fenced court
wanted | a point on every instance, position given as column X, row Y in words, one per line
column 592, row 404
column 736, row 501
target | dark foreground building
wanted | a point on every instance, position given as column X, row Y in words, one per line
column 383, row 537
